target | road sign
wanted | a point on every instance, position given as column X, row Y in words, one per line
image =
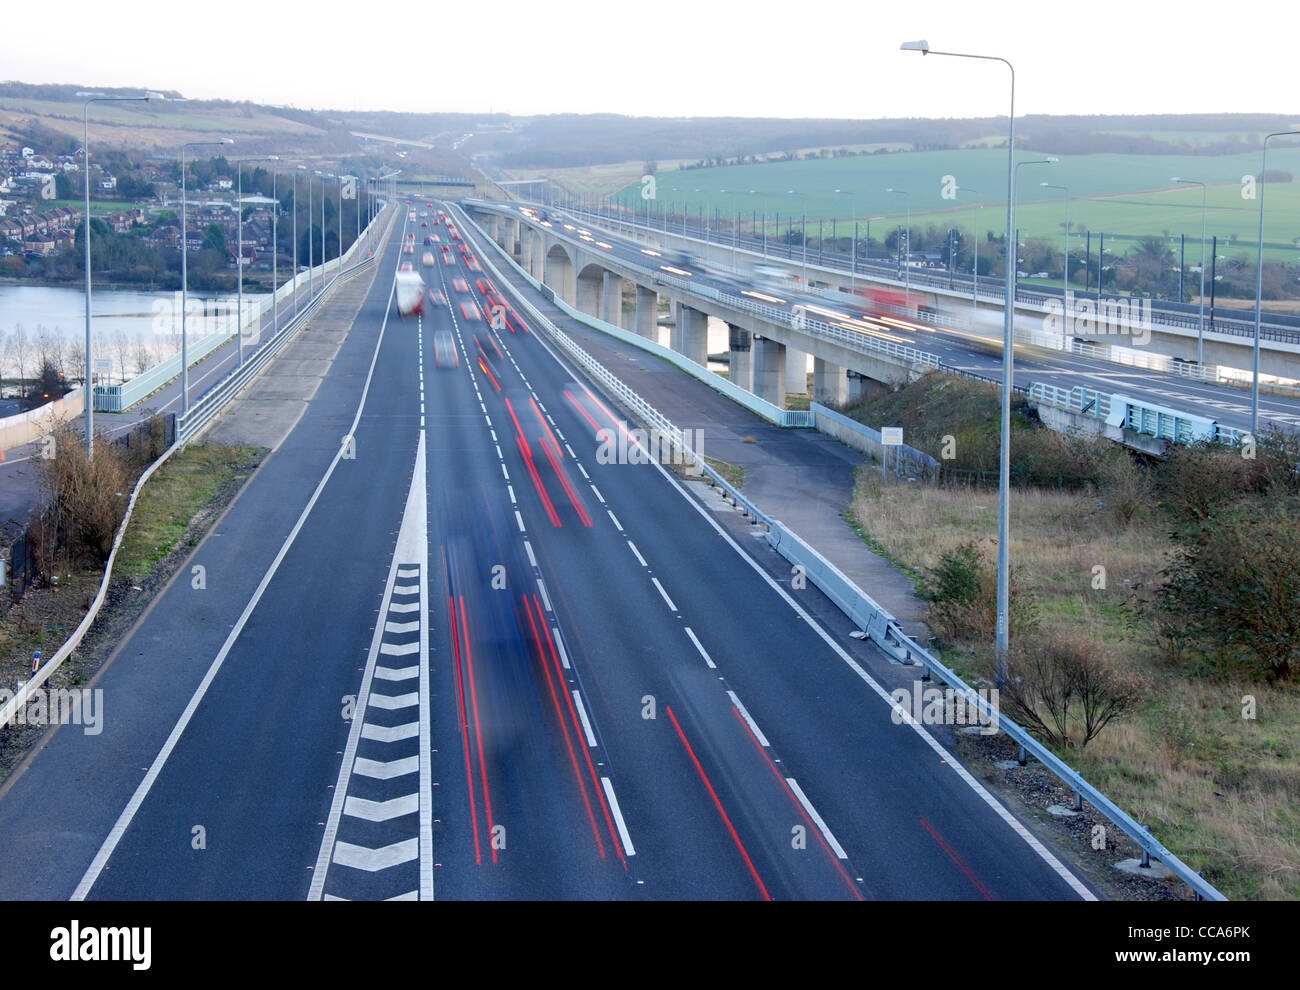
column 36, row 660
column 891, row 436
column 103, row 364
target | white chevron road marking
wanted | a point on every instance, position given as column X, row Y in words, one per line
column 381, row 770
column 374, row 860
column 387, row 733
column 381, row 811
column 393, row 702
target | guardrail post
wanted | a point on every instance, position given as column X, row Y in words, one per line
column 1078, row 801
column 1023, row 758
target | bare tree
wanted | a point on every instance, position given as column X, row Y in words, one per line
column 141, row 354
column 122, row 348
column 22, row 351
column 76, row 357
column 6, row 353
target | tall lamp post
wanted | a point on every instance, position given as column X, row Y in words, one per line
column 1008, row 339
column 1065, row 276
column 1259, row 282
column 85, row 148
column 907, row 264
column 239, row 249
column 185, row 272
column 1200, row 323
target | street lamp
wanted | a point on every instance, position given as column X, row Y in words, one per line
column 907, row 271
column 85, row 148
column 1008, row 341
column 1065, row 277
column 1259, row 282
column 1200, row 323
column 239, row 249
column 185, row 272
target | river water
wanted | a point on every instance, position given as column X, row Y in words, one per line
column 123, row 321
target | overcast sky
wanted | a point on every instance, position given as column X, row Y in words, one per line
column 811, row 58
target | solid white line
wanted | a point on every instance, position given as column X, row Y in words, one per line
column 559, row 644
column 582, row 714
column 664, row 593
column 753, row 726
column 951, row 761
column 617, row 525
column 529, row 548
column 812, row 813
column 638, row 553
column 124, row 820
column 700, row 646
column 618, row 816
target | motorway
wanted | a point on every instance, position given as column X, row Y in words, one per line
column 441, row 649
column 977, row 348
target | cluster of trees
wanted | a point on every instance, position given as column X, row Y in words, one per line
column 28, row 356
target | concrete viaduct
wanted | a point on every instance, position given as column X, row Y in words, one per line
column 846, row 365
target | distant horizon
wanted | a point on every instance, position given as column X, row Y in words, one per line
column 240, row 101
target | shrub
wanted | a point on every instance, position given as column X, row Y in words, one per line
column 86, row 498
column 962, row 590
column 1065, row 690
column 1233, row 593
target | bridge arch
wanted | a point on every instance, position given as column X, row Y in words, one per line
column 559, row 273
column 591, row 288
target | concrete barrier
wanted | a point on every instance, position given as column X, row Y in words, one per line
column 22, row 428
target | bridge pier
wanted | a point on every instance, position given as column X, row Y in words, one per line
column 590, row 290
column 512, row 235
column 830, row 382
column 526, row 250
column 612, row 298
column 741, row 368
column 647, row 312
column 769, row 370
column 538, row 268
column 690, row 336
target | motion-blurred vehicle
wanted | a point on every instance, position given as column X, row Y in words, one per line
column 409, row 291
column 426, row 259
column 444, row 350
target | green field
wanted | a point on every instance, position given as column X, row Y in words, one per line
column 1114, row 194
